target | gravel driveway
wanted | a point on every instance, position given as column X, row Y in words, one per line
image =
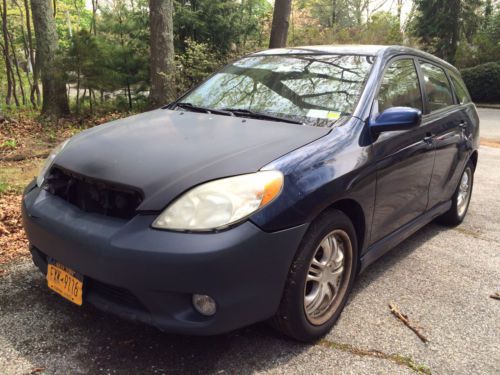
column 440, row 278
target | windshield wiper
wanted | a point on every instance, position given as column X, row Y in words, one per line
column 195, row 108
column 258, row 115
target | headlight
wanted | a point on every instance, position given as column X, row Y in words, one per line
column 48, row 163
column 218, row 204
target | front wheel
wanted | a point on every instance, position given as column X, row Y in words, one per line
column 460, row 200
column 320, row 278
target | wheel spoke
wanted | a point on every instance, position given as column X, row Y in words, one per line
column 329, row 292
column 338, row 261
column 316, row 300
column 312, row 277
column 317, row 264
column 334, row 246
column 335, row 277
column 326, row 245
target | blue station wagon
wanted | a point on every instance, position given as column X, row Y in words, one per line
column 258, row 195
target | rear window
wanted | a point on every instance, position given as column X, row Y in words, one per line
column 460, row 88
column 437, row 87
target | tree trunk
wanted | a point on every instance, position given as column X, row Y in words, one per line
column 29, row 70
column 162, row 52
column 5, row 47
column 78, row 78
column 55, row 98
column 93, row 25
column 455, row 26
column 399, row 9
column 16, row 65
column 334, row 13
column 35, row 90
column 129, row 95
column 281, row 21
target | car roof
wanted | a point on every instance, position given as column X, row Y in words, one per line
column 385, row 52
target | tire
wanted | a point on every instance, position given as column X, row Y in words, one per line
column 459, row 203
column 300, row 316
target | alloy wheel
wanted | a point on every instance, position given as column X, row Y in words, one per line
column 464, row 192
column 325, row 275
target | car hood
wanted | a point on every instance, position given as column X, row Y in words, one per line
column 164, row 153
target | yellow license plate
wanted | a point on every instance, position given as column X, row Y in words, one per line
column 65, row 282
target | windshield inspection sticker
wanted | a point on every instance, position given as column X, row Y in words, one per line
column 319, row 113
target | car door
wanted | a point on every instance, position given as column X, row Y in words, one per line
column 404, row 158
column 447, row 122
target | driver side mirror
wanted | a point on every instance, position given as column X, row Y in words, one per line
column 396, row 118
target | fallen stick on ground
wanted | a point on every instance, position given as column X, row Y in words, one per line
column 496, row 296
column 395, row 311
column 21, row 157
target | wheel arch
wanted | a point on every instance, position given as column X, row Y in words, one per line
column 355, row 213
column 473, row 157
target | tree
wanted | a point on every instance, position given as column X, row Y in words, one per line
column 55, row 98
column 162, row 51
column 28, row 40
column 222, row 25
column 281, row 20
column 439, row 24
column 85, row 61
column 487, row 39
column 11, row 90
column 124, row 40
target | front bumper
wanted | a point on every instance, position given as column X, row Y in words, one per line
column 150, row 275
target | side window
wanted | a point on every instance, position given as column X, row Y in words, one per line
column 400, row 86
column 460, row 89
column 437, row 87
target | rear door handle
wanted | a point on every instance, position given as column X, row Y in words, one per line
column 429, row 138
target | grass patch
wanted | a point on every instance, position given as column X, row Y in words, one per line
column 4, row 187
column 14, row 176
column 9, row 143
column 396, row 358
column 468, row 232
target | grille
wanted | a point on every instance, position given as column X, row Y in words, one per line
column 114, row 294
column 92, row 195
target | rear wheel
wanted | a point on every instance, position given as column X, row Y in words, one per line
column 320, row 278
column 460, row 200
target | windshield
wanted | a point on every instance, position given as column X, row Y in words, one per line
column 312, row 89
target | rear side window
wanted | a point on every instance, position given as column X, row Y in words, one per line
column 460, row 89
column 437, row 87
column 400, row 87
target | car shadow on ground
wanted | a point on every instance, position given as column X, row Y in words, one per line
column 99, row 343
column 396, row 255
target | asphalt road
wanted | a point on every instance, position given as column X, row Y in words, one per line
column 490, row 123
column 440, row 278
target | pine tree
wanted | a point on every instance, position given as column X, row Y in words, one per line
column 440, row 24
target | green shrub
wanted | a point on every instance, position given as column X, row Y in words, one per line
column 483, row 82
column 194, row 65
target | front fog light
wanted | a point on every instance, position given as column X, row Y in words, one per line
column 204, row 304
